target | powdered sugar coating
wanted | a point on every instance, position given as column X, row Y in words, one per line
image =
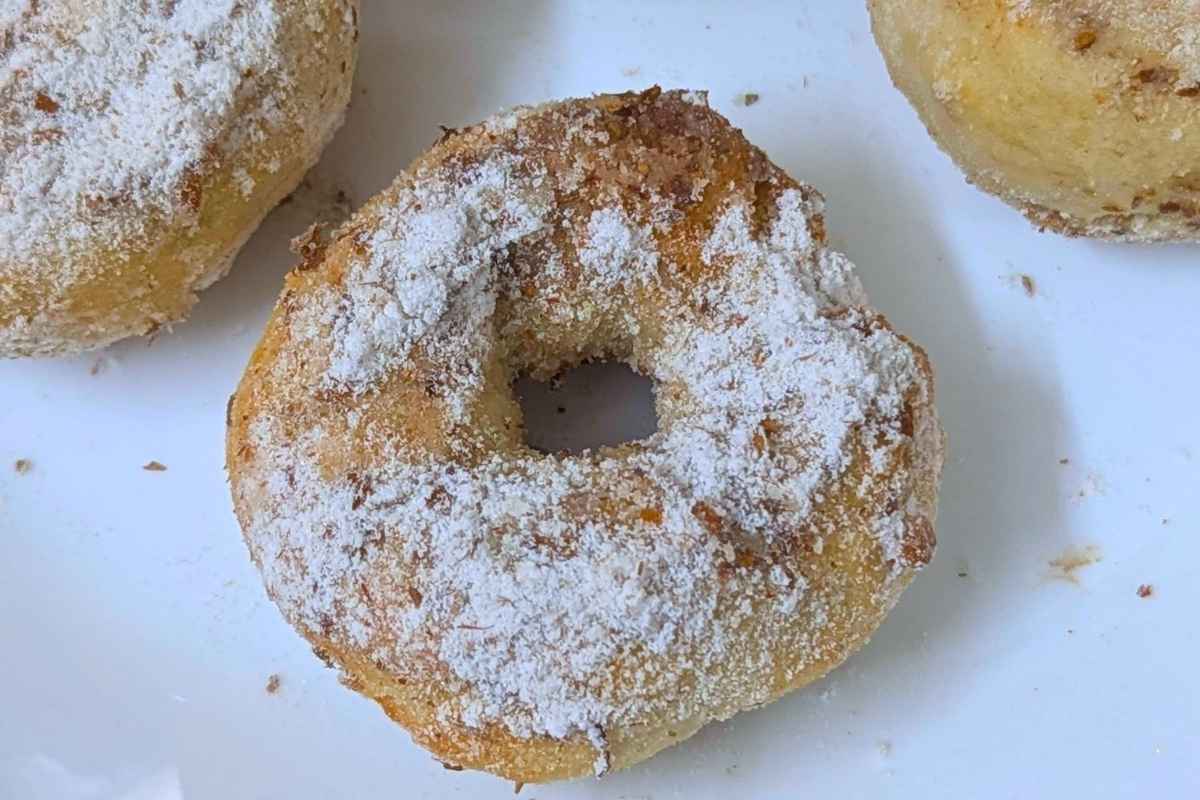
column 570, row 595
column 116, row 103
column 126, row 122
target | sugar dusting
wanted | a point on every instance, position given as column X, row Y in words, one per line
column 563, row 595
column 109, row 109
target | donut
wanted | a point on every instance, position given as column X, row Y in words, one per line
column 545, row 616
column 1082, row 114
column 143, row 141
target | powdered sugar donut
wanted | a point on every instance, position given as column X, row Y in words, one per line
column 547, row 616
column 1083, row 114
column 142, row 143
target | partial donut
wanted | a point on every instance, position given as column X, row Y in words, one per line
column 548, row 616
column 1083, row 114
column 142, row 144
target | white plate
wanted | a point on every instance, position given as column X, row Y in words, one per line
column 137, row 640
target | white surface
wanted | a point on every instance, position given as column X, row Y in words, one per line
column 137, row 640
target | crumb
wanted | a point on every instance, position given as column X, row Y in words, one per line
column 562, row 410
column 750, row 98
column 885, row 748
column 154, row 466
column 518, row 786
column 448, row 766
column 273, row 684
column 97, row 367
column 1145, row 590
column 22, row 466
column 1028, row 285
column 629, row 72
column 1064, row 461
column 1166, row 520
column 1072, row 560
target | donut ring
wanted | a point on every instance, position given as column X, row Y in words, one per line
column 1082, row 114
column 142, row 144
column 547, row 616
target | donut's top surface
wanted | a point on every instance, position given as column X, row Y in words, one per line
column 1165, row 32
column 1167, row 29
column 398, row 517
column 115, row 111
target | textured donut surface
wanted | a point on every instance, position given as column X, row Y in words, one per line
column 142, row 142
column 1083, row 114
column 543, row 616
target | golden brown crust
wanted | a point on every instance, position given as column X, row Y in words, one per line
column 113, row 267
column 1080, row 114
column 650, row 151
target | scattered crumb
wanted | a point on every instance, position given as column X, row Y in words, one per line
column 22, row 466
column 1166, row 520
column 1064, row 461
column 750, row 98
column 154, row 466
column 629, row 72
column 1019, row 280
column 1072, row 560
column 97, row 367
column 885, row 748
column 1145, row 590
column 273, row 684
column 828, row 693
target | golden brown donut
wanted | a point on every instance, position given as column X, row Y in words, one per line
column 549, row 616
column 1083, row 114
column 142, row 144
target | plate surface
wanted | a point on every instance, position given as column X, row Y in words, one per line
column 137, row 641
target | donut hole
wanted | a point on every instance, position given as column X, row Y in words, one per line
column 593, row 405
